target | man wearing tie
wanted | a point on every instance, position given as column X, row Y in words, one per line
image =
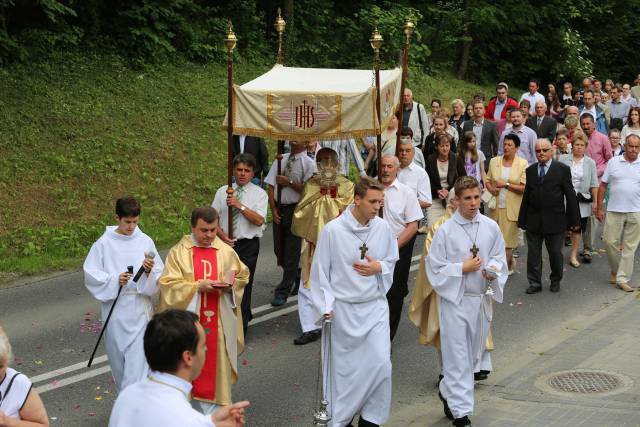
column 549, row 207
column 544, row 125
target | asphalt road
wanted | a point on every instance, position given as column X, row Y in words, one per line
column 52, row 324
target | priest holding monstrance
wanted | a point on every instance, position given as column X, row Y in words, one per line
column 351, row 274
column 467, row 268
column 204, row 275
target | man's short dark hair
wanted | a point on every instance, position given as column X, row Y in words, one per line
column 168, row 335
column 367, row 183
column 588, row 91
column 587, row 116
column 245, row 158
column 207, row 214
column 513, row 138
column 536, row 81
column 437, row 101
column 127, row 207
column 406, row 131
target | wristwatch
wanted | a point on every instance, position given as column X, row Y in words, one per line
column 243, row 208
column 508, row 185
column 290, row 182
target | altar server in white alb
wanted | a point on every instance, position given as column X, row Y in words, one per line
column 351, row 274
column 467, row 268
column 175, row 346
column 105, row 271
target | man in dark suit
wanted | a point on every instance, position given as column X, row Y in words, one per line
column 257, row 147
column 486, row 132
column 544, row 217
column 544, row 125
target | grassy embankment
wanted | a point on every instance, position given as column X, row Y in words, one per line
column 77, row 133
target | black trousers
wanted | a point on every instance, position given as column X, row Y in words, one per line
column 554, row 244
column 291, row 251
column 247, row 250
column 399, row 288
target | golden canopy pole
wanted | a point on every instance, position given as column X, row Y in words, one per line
column 408, row 31
column 376, row 43
column 230, row 43
column 280, row 25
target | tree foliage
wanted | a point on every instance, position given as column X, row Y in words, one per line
column 481, row 40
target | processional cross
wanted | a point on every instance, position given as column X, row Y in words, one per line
column 363, row 250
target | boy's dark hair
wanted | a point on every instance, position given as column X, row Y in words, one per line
column 167, row 336
column 208, row 214
column 127, row 207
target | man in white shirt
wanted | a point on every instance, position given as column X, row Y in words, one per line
column 622, row 175
column 174, row 345
column 415, row 117
column 533, row 95
column 297, row 168
column 249, row 210
column 412, row 175
column 402, row 212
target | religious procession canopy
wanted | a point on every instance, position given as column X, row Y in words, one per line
column 297, row 103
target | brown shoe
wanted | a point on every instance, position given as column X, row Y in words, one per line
column 612, row 278
column 625, row 287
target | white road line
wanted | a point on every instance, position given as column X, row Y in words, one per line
column 73, row 379
column 67, row 369
column 101, row 359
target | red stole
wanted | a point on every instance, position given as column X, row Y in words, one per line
column 205, row 266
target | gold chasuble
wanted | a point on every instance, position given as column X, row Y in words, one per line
column 424, row 310
column 218, row 311
column 323, row 198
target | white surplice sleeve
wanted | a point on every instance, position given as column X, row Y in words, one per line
column 388, row 263
column 320, row 278
column 102, row 285
column 445, row 276
column 148, row 283
column 498, row 261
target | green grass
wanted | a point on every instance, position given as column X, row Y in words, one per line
column 79, row 132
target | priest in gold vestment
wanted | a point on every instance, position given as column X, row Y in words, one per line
column 324, row 197
column 204, row 275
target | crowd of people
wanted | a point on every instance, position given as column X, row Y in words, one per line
column 479, row 181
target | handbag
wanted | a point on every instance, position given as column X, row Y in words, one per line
column 488, row 199
column 584, row 199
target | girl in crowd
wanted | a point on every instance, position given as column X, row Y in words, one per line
column 633, row 125
column 472, row 158
column 616, row 142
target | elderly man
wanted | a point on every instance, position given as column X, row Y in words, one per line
column 412, row 175
column 532, row 95
column 543, row 125
column 415, row 117
column 627, row 97
column 497, row 106
column 402, row 212
column 623, row 212
column 549, row 208
column 527, row 137
column 485, row 130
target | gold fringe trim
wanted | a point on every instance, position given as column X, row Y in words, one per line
column 262, row 133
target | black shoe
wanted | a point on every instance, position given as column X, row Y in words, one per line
column 481, row 376
column 447, row 411
column 534, row 289
column 586, row 257
column 307, row 337
column 555, row 287
column 464, row 421
column 278, row 301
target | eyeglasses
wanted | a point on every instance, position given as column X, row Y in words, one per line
column 542, row 150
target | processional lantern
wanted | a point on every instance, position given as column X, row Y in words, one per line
column 280, row 25
column 230, row 42
column 407, row 29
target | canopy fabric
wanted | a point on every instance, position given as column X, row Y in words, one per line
column 294, row 103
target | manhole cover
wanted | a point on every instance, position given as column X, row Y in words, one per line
column 585, row 382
